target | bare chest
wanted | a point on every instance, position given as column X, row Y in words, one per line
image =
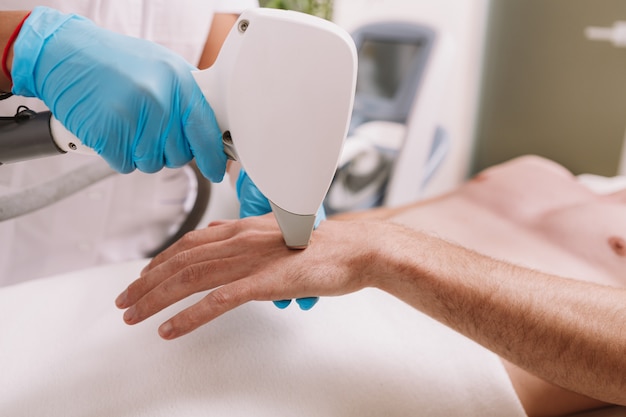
column 585, row 241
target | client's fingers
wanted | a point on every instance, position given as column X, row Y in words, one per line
column 180, row 266
column 210, row 307
column 216, row 231
column 194, row 278
column 195, row 246
column 203, row 267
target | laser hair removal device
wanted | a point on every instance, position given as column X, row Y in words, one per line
column 282, row 89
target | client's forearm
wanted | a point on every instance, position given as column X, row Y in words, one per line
column 9, row 20
column 568, row 332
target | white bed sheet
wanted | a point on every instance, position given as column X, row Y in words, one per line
column 65, row 351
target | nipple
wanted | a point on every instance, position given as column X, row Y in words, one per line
column 618, row 245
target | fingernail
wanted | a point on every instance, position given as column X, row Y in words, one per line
column 282, row 303
column 307, row 303
column 166, row 330
column 129, row 315
column 120, row 301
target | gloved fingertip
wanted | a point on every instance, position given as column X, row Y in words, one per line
column 125, row 167
column 209, row 171
column 319, row 216
column 282, row 303
column 307, row 303
column 211, row 163
column 251, row 201
column 148, row 166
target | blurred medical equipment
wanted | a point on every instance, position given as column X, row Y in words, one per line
column 284, row 119
column 616, row 34
column 396, row 140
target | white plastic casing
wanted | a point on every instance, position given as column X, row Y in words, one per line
column 66, row 141
column 283, row 85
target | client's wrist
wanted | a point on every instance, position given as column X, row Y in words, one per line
column 396, row 257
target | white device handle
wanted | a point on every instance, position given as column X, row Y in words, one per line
column 283, row 87
column 66, row 141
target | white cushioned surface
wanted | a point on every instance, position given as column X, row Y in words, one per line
column 66, row 352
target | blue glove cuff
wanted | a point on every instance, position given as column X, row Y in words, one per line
column 37, row 28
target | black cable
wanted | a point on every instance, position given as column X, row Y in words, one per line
column 5, row 94
column 22, row 113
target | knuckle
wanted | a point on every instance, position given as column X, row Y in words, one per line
column 248, row 234
column 190, row 275
column 220, row 298
column 197, row 273
column 181, row 260
column 190, row 239
column 141, row 285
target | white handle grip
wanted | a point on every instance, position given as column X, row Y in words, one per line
column 66, row 141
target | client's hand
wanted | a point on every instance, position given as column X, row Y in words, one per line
column 245, row 260
column 134, row 102
column 253, row 203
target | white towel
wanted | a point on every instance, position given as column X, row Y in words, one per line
column 65, row 351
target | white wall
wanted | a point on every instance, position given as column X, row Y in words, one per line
column 465, row 22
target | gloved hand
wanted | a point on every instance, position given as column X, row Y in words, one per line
column 133, row 101
column 253, row 203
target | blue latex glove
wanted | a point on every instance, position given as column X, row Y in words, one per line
column 253, row 203
column 134, row 102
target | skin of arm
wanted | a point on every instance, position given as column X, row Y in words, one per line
column 8, row 22
column 220, row 27
column 567, row 332
column 538, row 396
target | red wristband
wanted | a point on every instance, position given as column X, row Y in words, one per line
column 7, row 47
